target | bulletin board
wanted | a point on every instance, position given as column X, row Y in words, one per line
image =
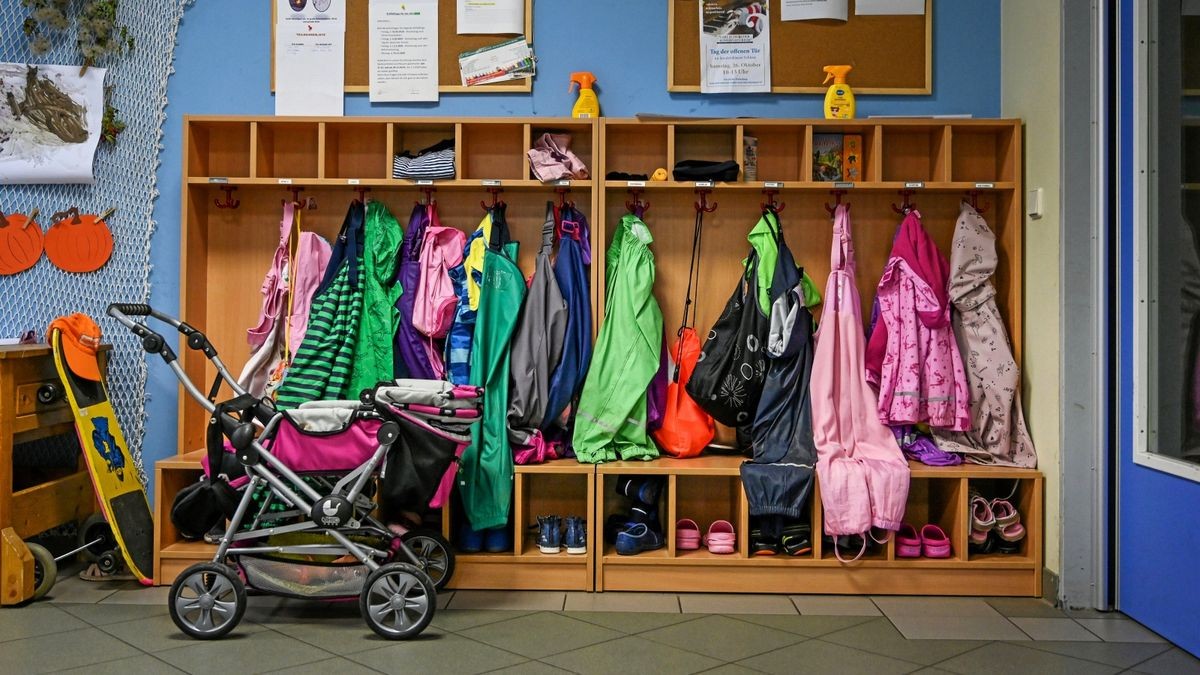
column 450, row 45
column 890, row 54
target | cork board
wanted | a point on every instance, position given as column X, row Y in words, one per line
column 450, row 45
column 890, row 54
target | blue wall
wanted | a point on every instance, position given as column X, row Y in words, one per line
column 222, row 66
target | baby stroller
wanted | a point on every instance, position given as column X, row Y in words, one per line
column 299, row 490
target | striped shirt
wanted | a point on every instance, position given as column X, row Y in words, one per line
column 436, row 165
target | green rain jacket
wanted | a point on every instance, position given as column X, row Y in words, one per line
column 763, row 241
column 611, row 419
column 377, row 329
column 485, row 477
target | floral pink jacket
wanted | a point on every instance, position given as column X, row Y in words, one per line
column 912, row 356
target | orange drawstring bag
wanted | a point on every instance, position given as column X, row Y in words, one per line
column 686, row 429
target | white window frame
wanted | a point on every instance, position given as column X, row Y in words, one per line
column 1145, row 208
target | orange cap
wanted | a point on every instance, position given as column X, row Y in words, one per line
column 80, row 342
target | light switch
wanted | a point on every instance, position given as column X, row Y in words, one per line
column 1033, row 203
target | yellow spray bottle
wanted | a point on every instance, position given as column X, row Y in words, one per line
column 587, row 105
column 839, row 99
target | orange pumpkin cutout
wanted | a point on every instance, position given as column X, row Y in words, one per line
column 79, row 243
column 20, row 243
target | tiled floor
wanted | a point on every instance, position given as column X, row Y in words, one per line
column 119, row 629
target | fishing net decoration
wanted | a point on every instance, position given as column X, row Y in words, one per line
column 125, row 179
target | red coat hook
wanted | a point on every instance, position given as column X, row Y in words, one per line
column 562, row 198
column 837, row 196
column 495, row 192
column 906, row 206
column 309, row 203
column 974, row 197
column 362, row 193
column 230, row 202
column 703, row 204
column 771, row 203
column 637, row 207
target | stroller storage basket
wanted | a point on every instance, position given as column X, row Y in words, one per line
column 299, row 579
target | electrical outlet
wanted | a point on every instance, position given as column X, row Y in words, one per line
column 1033, row 203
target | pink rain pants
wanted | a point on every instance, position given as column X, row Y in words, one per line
column 862, row 474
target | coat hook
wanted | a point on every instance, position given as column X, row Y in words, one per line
column 638, row 206
column 837, row 195
column 771, row 204
column 703, row 204
column 974, row 201
column 230, row 202
column 427, row 199
column 562, row 197
column 362, row 193
column 495, row 192
column 906, row 206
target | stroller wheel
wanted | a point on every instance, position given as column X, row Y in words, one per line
column 434, row 552
column 207, row 600
column 398, row 601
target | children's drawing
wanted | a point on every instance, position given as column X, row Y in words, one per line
column 49, row 122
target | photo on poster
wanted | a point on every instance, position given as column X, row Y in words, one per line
column 735, row 46
column 49, row 122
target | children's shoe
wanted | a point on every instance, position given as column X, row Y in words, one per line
column 721, row 538
column 983, row 519
column 549, row 534
column 497, row 540
column 687, row 535
column 763, row 546
column 1008, row 522
column 934, row 542
column 576, row 536
column 470, row 541
column 644, row 489
column 908, row 542
column 796, row 540
column 640, row 537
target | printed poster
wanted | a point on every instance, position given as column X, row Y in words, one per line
column 310, row 57
column 891, row 7
column 735, row 46
column 404, row 50
column 491, row 17
column 510, row 60
column 807, row 10
column 49, row 123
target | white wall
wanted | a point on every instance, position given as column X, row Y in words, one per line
column 1030, row 38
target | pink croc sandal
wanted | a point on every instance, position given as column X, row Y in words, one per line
column 721, row 537
column 908, row 544
column 934, row 542
column 687, row 535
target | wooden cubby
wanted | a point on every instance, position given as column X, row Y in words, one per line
column 226, row 252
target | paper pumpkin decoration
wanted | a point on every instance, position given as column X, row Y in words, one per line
column 20, row 243
column 79, row 243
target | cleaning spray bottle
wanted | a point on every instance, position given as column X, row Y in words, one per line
column 839, row 99
column 587, row 105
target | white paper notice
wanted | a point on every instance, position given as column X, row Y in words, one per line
column 49, row 123
column 803, row 10
column 404, row 50
column 492, row 17
column 310, row 56
column 869, row 7
column 735, row 46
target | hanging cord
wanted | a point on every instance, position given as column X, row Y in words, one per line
column 689, row 304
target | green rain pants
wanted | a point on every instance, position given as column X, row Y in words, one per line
column 485, row 477
column 611, row 420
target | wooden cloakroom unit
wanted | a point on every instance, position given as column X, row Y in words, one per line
column 226, row 252
column 940, row 161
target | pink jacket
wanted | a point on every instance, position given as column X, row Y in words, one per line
column 912, row 356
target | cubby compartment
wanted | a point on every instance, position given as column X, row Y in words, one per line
column 494, row 151
column 415, row 137
column 545, row 494
column 635, row 148
column 613, row 504
column 581, row 141
column 356, row 150
column 857, row 160
column 1023, row 494
column 916, row 153
column 1191, row 153
column 778, row 150
column 707, row 143
column 707, row 499
column 940, row 502
column 219, row 149
column 982, row 154
column 287, row 149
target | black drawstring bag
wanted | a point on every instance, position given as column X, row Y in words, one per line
column 698, row 169
column 211, row 500
column 414, row 467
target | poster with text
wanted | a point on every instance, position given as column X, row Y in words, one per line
column 404, row 50
column 809, row 10
column 735, row 46
column 49, row 123
column 310, row 57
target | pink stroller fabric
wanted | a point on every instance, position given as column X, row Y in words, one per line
column 862, row 474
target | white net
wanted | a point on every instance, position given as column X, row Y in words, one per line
column 125, row 179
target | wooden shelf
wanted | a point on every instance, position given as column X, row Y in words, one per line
column 189, row 549
column 456, row 184
column 818, row 186
column 704, row 465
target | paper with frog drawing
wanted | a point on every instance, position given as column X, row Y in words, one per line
column 49, row 123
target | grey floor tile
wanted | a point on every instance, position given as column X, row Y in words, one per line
column 1059, row 630
column 1171, row 662
column 808, row 626
column 879, row 636
column 269, row 609
column 932, row 671
column 542, row 634
column 444, row 598
column 1085, row 613
column 1002, row 659
column 1125, row 630
column 239, row 652
column 632, row 623
column 455, row 620
column 815, row 656
column 732, row 603
column 139, row 665
column 159, row 633
column 731, row 669
column 835, row 605
column 50, row 653
column 334, row 666
column 527, row 600
column 71, row 589
column 1119, row 654
column 664, row 603
column 930, row 607
column 140, row 595
column 35, row 620
column 957, row 628
column 631, row 654
column 530, row 668
column 336, row 636
column 437, row 653
column 723, row 638
column 1026, row 607
column 100, row 614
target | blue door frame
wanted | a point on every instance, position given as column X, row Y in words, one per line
column 1158, row 580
